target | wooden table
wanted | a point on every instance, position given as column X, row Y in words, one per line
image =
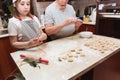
column 64, row 70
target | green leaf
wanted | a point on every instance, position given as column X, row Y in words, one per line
column 30, row 62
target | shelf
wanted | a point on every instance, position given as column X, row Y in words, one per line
column 109, row 15
column 105, row 2
column 113, row 7
column 3, row 29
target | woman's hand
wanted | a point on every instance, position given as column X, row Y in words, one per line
column 69, row 21
column 78, row 23
column 73, row 20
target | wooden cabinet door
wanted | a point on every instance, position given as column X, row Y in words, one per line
column 7, row 65
column 87, row 27
column 0, row 5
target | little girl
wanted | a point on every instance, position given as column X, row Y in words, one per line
column 24, row 28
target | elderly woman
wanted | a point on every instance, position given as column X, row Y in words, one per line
column 60, row 20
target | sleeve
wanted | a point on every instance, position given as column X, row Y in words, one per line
column 48, row 16
column 12, row 29
column 37, row 20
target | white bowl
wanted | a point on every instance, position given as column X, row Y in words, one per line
column 85, row 34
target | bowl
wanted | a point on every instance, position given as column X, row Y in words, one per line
column 86, row 34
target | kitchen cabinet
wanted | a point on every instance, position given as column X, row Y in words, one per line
column 87, row 27
column 112, row 29
column 108, row 21
column 109, row 69
column 7, row 65
column 0, row 5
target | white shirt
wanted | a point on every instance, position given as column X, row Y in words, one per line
column 54, row 15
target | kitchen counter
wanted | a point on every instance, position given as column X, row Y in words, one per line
column 4, row 33
column 90, row 23
column 110, row 15
column 90, row 56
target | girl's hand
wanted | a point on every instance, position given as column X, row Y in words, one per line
column 42, row 37
column 36, row 41
column 33, row 42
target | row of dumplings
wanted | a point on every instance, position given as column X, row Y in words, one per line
column 103, row 44
column 71, row 55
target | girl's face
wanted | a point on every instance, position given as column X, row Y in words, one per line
column 23, row 7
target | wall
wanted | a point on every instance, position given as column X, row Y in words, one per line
column 81, row 4
column 39, row 7
column 77, row 4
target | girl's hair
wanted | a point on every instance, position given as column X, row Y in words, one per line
column 16, row 13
